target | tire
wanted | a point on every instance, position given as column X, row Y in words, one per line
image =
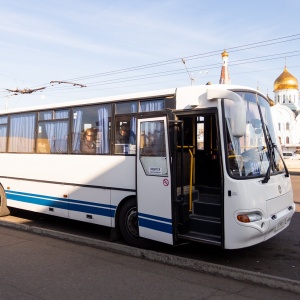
column 4, row 211
column 128, row 224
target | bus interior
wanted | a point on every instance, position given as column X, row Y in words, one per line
column 199, row 183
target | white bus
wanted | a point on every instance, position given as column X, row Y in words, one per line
column 197, row 163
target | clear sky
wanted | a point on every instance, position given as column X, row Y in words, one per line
column 116, row 47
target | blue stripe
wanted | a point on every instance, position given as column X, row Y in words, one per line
column 62, row 203
column 38, row 199
column 155, row 218
column 92, row 210
column 155, row 225
column 152, row 222
column 155, row 222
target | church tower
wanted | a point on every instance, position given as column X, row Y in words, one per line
column 224, row 78
column 286, row 91
column 286, row 110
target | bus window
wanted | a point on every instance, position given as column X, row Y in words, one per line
column 125, row 135
column 3, row 133
column 53, row 130
column 153, row 105
column 21, row 135
column 125, row 128
column 153, row 148
column 126, row 107
column 91, row 129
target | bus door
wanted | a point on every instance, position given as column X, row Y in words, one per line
column 199, row 178
column 154, row 180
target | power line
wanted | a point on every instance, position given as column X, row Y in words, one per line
column 179, row 60
column 244, row 47
column 197, row 56
column 181, row 71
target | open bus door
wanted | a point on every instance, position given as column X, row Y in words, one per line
column 153, row 178
column 199, row 180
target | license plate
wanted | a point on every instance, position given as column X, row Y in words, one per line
column 281, row 224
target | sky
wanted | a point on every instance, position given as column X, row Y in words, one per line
column 117, row 47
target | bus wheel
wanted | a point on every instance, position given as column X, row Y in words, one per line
column 128, row 222
column 4, row 211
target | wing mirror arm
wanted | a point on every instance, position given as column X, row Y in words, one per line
column 238, row 110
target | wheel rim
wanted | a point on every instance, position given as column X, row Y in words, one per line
column 132, row 222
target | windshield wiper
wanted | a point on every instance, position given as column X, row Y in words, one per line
column 271, row 146
column 271, row 154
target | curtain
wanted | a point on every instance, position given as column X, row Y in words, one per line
column 3, row 120
column 3, row 134
column 152, row 105
column 132, row 135
column 57, row 132
column 22, row 133
column 45, row 115
column 77, row 125
column 3, row 138
column 103, row 135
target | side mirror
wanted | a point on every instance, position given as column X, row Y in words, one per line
column 238, row 111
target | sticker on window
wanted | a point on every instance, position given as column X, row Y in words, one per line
column 155, row 171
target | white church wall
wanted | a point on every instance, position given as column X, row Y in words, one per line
column 285, row 125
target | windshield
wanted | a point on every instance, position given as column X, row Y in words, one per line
column 248, row 156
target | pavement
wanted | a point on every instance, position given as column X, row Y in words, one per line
column 34, row 267
column 166, row 259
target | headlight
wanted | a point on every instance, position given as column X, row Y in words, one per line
column 250, row 217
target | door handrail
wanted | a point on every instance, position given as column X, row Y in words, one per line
column 191, row 174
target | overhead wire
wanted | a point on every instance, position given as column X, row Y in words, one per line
column 181, row 71
column 56, row 88
column 190, row 57
column 195, row 56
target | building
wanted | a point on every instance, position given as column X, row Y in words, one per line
column 286, row 110
column 224, row 78
column 285, row 107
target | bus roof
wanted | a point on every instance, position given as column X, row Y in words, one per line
column 124, row 97
column 196, row 89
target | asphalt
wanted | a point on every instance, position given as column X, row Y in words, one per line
column 293, row 166
column 167, row 259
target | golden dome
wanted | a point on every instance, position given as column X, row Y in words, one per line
column 285, row 81
column 224, row 53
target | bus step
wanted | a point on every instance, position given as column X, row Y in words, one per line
column 186, row 196
column 201, row 237
column 207, row 209
column 208, row 189
column 210, row 198
column 205, row 225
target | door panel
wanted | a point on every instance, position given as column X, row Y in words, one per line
column 154, row 180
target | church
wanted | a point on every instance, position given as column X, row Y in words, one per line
column 285, row 107
column 286, row 110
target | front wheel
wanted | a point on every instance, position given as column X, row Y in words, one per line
column 128, row 223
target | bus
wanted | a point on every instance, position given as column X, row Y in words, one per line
column 196, row 163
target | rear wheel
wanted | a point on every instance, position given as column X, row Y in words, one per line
column 128, row 222
column 4, row 211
